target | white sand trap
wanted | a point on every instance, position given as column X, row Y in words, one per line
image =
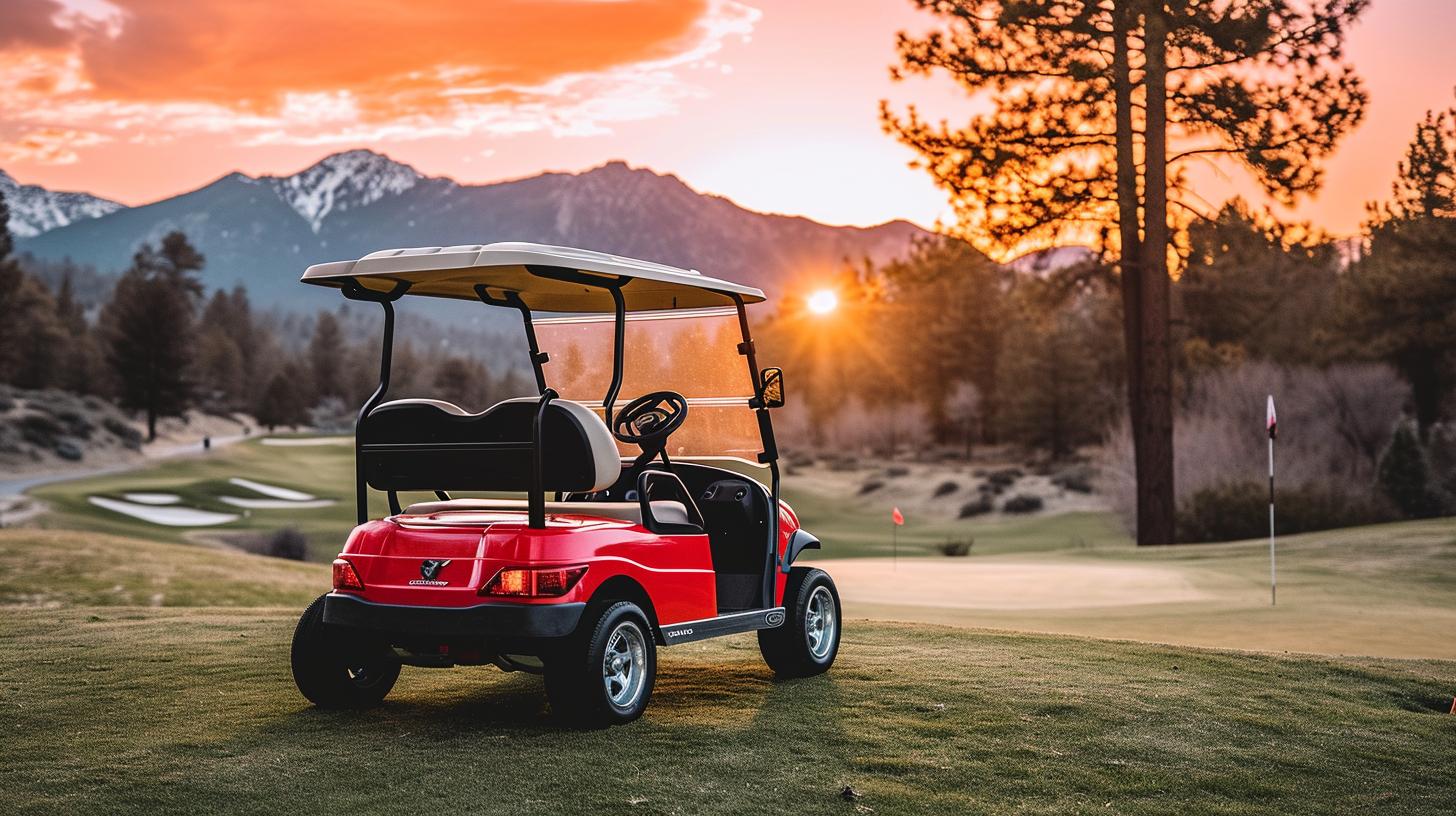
column 968, row 583
column 165, row 516
column 306, row 441
column 272, row 491
column 274, row 504
column 152, row 498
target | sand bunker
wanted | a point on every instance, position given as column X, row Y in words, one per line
column 166, row 516
column 152, row 498
column 272, row 491
column 975, row 584
column 306, row 441
column 274, row 504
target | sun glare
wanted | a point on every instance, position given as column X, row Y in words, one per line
column 823, row 302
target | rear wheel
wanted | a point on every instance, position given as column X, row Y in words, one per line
column 603, row 675
column 808, row 641
column 339, row 668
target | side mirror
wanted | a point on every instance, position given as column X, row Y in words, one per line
column 773, row 387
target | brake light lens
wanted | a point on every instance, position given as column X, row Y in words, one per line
column 519, row 582
column 345, row 577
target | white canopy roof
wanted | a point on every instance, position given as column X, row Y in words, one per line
column 455, row 271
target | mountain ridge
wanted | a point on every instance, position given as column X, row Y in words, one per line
column 35, row 210
column 262, row 231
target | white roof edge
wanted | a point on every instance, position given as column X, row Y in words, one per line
column 515, row 253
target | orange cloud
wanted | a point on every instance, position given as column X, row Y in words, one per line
column 344, row 70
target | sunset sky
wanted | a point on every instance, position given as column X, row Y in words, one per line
column 772, row 103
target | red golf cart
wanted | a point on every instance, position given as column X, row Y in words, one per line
column 652, row 534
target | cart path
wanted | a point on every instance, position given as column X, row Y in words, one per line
column 15, row 487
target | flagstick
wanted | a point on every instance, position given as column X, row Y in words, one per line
column 894, row 546
column 1273, row 569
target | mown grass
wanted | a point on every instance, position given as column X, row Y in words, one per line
column 327, row 471
column 190, row 708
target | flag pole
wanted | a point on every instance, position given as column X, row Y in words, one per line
column 1273, row 565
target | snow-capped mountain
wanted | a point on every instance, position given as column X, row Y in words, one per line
column 343, row 181
column 34, row 209
column 264, row 231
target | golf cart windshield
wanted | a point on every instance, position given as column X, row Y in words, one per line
column 693, row 352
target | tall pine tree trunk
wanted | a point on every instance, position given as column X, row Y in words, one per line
column 1128, row 226
column 1155, row 509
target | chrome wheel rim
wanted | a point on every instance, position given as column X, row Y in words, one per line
column 624, row 664
column 820, row 623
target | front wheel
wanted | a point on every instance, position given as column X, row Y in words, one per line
column 338, row 668
column 808, row 640
column 604, row 674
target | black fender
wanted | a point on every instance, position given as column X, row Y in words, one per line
column 799, row 541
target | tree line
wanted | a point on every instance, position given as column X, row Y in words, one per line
column 157, row 343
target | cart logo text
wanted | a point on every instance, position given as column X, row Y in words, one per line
column 429, row 569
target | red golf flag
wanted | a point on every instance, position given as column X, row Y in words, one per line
column 897, row 517
column 1272, row 423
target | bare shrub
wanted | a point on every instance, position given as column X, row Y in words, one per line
column 870, row 486
column 955, row 548
column 945, row 489
column 1333, row 425
column 285, row 543
column 1023, row 503
column 976, row 507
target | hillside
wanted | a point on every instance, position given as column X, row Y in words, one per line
column 263, row 231
column 34, row 209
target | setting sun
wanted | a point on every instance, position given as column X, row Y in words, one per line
column 823, row 301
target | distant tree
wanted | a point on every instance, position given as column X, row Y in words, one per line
column 1405, row 476
column 11, row 279
column 220, row 371
column 283, row 401
column 1400, row 298
column 1054, row 400
column 1259, row 287
column 946, row 303
column 1096, row 109
column 150, row 331
column 325, row 355
column 463, row 382
column 40, row 345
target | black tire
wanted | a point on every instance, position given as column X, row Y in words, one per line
column 793, row 650
column 577, row 681
column 338, row 668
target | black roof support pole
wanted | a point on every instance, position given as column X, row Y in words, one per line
column 353, row 291
column 769, row 456
column 513, row 300
column 536, row 499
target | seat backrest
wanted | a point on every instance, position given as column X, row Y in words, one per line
column 488, row 450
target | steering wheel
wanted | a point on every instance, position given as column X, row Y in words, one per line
column 650, row 419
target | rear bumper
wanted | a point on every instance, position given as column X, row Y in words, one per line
column 491, row 620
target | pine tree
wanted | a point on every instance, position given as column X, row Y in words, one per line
column 1098, row 107
column 1400, row 299
column 325, row 353
column 150, row 329
column 11, row 279
column 1404, row 475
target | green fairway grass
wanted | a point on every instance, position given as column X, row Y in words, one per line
column 123, row 709
column 327, row 471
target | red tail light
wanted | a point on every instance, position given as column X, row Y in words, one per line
column 345, row 577
column 533, row 583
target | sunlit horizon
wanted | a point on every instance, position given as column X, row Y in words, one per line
column 128, row 100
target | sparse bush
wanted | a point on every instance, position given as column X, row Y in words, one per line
column 1077, row 479
column 1004, row 477
column 976, row 507
column 123, row 430
column 955, row 548
column 40, row 430
column 6, row 404
column 1235, row 511
column 1023, row 503
column 68, row 450
column 897, row 471
column 870, row 486
column 286, row 543
column 945, row 489
column 1333, row 425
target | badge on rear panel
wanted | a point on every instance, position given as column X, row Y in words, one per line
column 429, row 572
